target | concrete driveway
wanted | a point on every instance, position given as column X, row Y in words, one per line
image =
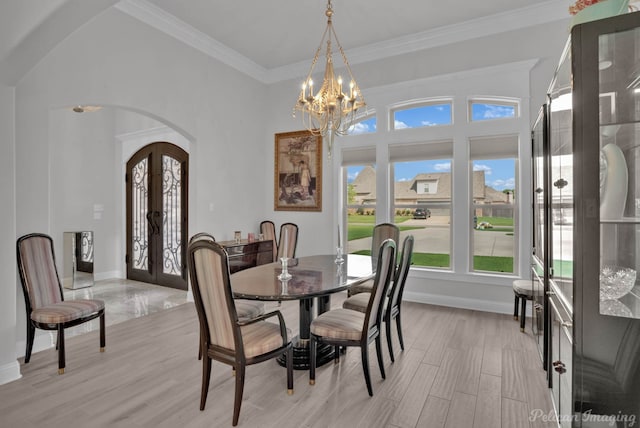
column 436, row 238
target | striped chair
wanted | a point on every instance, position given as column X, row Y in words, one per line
column 44, row 301
column 225, row 337
column 358, row 302
column 288, row 241
column 344, row 327
column 268, row 230
column 381, row 232
column 246, row 309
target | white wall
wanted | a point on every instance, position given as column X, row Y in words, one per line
column 9, row 292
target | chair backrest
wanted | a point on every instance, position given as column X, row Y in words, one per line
column 288, row 241
column 38, row 273
column 268, row 230
column 202, row 235
column 382, row 232
column 395, row 295
column 384, row 272
column 212, row 294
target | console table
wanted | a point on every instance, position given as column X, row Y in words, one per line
column 245, row 254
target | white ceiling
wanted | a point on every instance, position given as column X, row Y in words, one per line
column 272, row 39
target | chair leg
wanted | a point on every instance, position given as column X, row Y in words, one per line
column 379, row 355
column 61, row 363
column 31, row 332
column 399, row 327
column 387, row 324
column 206, row 375
column 290, row 370
column 239, row 390
column 523, row 313
column 336, row 354
column 312, row 362
column 515, row 307
column 103, row 340
column 365, row 368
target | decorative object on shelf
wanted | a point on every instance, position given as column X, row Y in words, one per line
column 284, row 275
column 616, row 281
column 330, row 111
column 298, row 172
column 237, row 236
column 615, row 308
column 591, row 10
column 614, row 178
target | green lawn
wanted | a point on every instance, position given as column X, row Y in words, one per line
column 480, row 263
column 371, row 219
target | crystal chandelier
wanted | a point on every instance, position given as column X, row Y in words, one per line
column 330, row 111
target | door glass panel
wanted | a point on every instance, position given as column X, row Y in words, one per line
column 172, row 215
column 140, row 207
column 619, row 90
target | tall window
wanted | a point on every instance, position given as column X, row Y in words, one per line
column 433, row 113
column 422, row 199
column 360, row 193
column 493, row 175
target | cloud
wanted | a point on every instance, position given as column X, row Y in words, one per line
column 509, row 183
column 485, row 168
column 428, row 123
column 497, row 112
column 397, row 124
column 361, row 128
column 446, row 166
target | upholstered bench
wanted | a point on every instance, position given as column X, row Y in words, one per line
column 524, row 289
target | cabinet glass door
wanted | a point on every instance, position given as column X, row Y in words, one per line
column 561, row 189
column 619, row 115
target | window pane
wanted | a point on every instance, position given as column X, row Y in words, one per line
column 426, row 115
column 422, row 207
column 493, row 215
column 488, row 111
column 361, row 207
column 365, row 126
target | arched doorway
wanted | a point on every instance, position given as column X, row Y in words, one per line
column 157, row 189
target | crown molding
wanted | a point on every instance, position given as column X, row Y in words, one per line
column 540, row 13
column 157, row 18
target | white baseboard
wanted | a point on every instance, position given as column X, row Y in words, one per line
column 10, row 372
column 459, row 302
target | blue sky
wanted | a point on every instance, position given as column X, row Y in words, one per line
column 499, row 173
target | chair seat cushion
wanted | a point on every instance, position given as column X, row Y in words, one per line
column 260, row 337
column 339, row 324
column 359, row 302
column 527, row 287
column 364, row 287
column 248, row 310
column 66, row 311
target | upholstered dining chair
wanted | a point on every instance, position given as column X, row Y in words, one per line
column 392, row 311
column 225, row 337
column 344, row 327
column 246, row 309
column 288, row 241
column 43, row 297
column 381, row 232
column 268, row 230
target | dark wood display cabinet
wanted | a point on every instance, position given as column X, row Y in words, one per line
column 245, row 254
column 586, row 168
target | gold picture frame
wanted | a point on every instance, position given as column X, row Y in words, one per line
column 298, row 172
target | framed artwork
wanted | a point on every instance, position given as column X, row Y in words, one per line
column 298, row 172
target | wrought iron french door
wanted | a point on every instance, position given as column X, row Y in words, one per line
column 157, row 189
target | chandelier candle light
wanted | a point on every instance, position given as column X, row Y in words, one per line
column 329, row 111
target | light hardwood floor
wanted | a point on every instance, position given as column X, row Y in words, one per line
column 459, row 369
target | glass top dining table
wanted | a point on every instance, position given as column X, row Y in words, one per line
column 313, row 280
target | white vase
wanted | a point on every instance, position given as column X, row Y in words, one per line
column 614, row 179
